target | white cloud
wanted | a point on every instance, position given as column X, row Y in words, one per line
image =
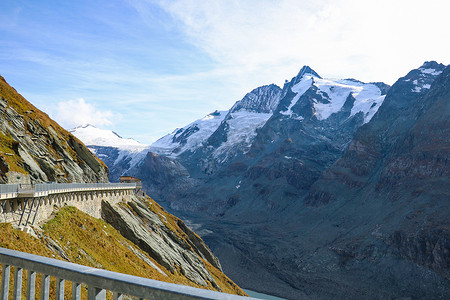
column 369, row 40
column 72, row 113
column 182, row 59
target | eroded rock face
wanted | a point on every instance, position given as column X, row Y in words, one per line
column 154, row 233
column 40, row 150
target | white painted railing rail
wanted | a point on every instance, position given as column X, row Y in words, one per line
column 97, row 280
column 9, row 191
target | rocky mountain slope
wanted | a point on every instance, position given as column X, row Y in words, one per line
column 401, row 159
column 338, row 189
column 374, row 223
column 34, row 148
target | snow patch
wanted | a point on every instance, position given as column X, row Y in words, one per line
column 206, row 126
column 127, row 148
column 300, row 88
column 430, row 71
column 242, row 130
column 368, row 98
column 417, row 89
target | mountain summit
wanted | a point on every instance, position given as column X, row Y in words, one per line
column 307, row 96
column 305, row 70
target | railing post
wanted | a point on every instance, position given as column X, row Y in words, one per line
column 17, row 290
column 76, row 291
column 45, row 286
column 34, row 218
column 31, row 209
column 60, row 289
column 24, row 207
column 5, row 282
column 7, row 207
column 96, row 293
column 117, row 296
column 31, row 284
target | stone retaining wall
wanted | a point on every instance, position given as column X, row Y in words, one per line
column 36, row 210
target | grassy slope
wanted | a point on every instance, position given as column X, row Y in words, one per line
column 93, row 242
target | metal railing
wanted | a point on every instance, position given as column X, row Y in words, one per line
column 43, row 189
column 97, row 280
column 8, row 188
column 8, row 191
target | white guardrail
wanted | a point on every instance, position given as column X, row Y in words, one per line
column 97, row 280
column 8, row 191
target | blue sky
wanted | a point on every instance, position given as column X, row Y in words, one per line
column 145, row 67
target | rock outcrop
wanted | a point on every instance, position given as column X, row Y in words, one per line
column 401, row 159
column 77, row 237
column 166, row 239
column 34, row 148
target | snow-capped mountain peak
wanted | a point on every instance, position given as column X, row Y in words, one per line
column 432, row 67
column 230, row 132
column 328, row 96
column 91, row 135
column 304, row 71
column 234, row 128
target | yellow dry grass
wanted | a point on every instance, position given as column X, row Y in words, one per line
column 93, row 242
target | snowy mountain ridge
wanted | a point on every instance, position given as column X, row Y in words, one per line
column 111, row 147
column 91, row 135
column 332, row 95
column 263, row 99
column 420, row 79
column 227, row 132
column 223, row 135
column 240, row 122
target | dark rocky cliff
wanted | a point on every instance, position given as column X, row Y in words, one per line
column 401, row 159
